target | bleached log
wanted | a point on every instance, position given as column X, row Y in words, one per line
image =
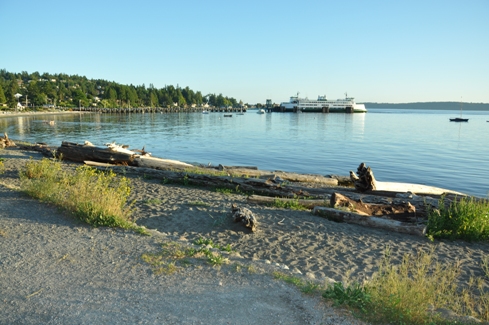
column 159, row 163
column 418, row 189
column 368, row 221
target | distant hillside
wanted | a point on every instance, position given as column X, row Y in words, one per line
column 432, row 105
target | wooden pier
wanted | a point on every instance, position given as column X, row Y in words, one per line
column 127, row 110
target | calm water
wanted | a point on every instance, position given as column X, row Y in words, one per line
column 400, row 145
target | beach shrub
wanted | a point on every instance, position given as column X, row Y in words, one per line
column 467, row 218
column 98, row 198
column 413, row 292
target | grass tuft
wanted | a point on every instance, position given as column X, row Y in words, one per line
column 293, row 204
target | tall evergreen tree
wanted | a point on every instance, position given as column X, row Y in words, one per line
column 3, row 100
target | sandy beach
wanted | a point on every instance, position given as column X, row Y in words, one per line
column 29, row 113
column 57, row 270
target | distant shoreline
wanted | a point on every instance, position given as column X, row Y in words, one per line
column 455, row 106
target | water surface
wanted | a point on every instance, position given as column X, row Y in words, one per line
column 415, row 146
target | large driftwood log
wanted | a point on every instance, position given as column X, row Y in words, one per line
column 79, row 153
column 374, row 222
column 400, row 211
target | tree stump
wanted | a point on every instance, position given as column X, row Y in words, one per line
column 365, row 181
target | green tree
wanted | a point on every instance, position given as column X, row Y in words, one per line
column 3, row 100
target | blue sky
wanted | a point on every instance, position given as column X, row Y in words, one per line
column 377, row 51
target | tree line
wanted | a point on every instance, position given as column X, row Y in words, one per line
column 62, row 90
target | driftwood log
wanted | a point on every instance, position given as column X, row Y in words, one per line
column 369, row 221
column 245, row 216
column 6, row 142
column 79, row 153
column 404, row 211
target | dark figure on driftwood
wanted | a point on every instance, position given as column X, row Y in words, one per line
column 365, row 181
column 245, row 216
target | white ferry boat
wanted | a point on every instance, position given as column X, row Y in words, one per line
column 346, row 105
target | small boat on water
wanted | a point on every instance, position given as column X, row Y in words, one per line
column 459, row 119
column 205, row 112
column 261, row 111
column 228, row 115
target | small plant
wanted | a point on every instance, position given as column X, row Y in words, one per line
column 2, row 166
column 216, row 259
column 185, row 180
column 3, row 233
column 203, row 241
column 165, row 181
column 223, row 190
column 353, row 295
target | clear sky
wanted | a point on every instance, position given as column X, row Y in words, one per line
column 378, row 51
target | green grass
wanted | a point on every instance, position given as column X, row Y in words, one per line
column 407, row 293
column 229, row 191
column 292, row 204
column 467, row 219
column 97, row 198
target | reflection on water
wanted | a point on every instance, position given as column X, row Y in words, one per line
column 400, row 145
